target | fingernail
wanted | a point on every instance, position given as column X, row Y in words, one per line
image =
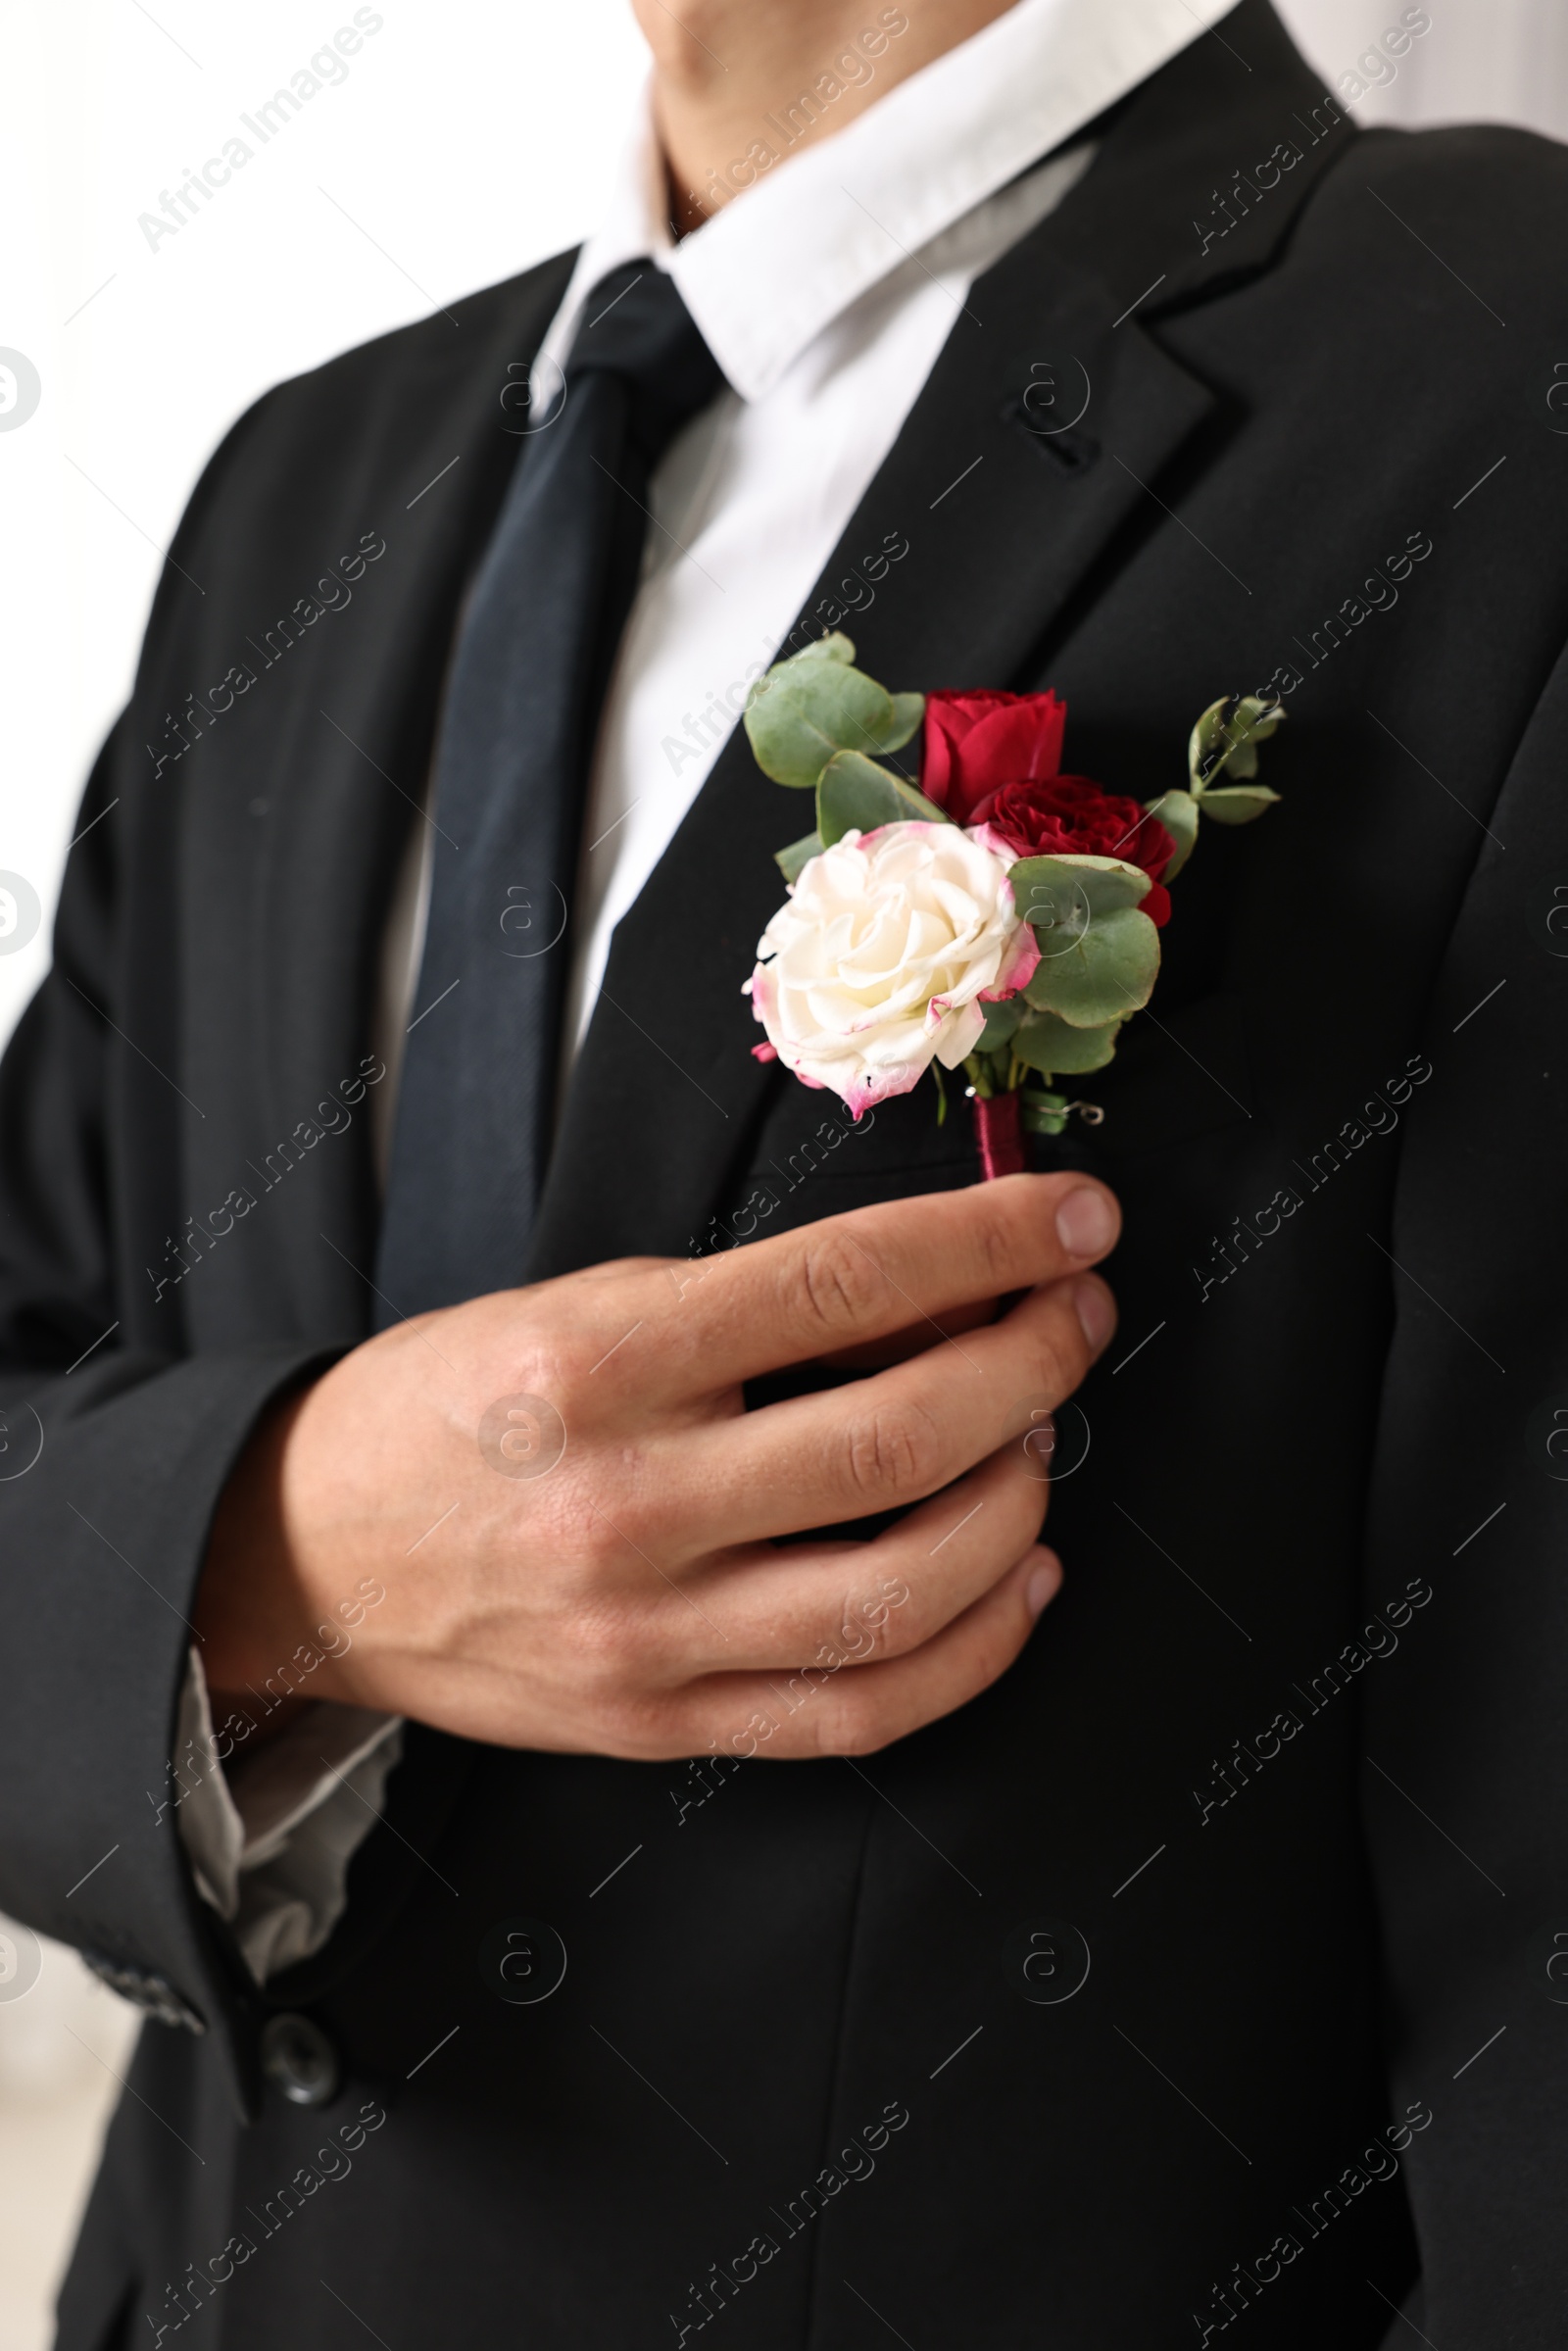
column 1086, row 1223
column 1043, row 1586
column 1097, row 1311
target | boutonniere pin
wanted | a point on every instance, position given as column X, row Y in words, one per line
column 1002, row 918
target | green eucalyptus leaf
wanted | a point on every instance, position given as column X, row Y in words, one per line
column 1237, row 803
column 908, row 712
column 816, row 704
column 1177, row 812
column 1227, row 736
column 1050, row 1044
column 1106, row 974
column 1061, row 895
column 793, row 862
column 1000, row 1022
column 855, row 795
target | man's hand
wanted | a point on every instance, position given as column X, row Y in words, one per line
column 574, row 1516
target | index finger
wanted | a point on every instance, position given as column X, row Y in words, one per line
column 872, row 1271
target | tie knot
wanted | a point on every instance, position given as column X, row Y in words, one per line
column 634, row 325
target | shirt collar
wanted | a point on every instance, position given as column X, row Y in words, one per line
column 766, row 274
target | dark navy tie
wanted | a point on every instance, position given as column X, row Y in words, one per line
column 534, row 655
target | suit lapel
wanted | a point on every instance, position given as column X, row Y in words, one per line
column 992, row 558
column 1003, row 524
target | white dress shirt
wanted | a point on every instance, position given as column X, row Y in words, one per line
column 825, row 292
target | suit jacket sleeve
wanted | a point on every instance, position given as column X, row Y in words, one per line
column 114, row 1458
column 1466, row 1731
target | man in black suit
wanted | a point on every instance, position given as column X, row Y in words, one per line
column 386, row 1531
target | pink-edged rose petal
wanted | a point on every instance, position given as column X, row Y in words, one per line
column 883, row 958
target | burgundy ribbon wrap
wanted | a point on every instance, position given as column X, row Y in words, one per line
column 1000, row 1136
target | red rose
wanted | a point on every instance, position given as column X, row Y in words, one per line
column 1068, row 815
column 975, row 742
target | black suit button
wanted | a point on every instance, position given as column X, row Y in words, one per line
column 298, row 2059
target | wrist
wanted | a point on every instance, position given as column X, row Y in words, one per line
column 249, row 1606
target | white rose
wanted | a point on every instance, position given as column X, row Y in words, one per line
column 885, row 956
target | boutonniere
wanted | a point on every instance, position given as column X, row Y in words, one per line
column 1002, row 918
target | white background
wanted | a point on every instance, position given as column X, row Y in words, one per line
column 468, row 139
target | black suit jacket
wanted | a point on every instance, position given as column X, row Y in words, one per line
column 1284, row 1767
